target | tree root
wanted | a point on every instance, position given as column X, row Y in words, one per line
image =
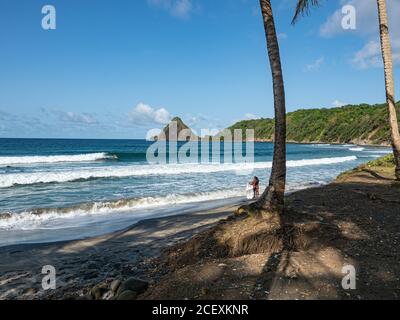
column 257, row 211
column 269, row 205
column 397, row 174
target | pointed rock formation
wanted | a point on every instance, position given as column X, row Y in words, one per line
column 176, row 130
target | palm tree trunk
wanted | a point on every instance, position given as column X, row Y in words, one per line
column 388, row 64
column 272, row 200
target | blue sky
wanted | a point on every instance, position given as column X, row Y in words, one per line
column 115, row 69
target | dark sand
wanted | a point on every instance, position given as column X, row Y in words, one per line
column 353, row 221
column 83, row 264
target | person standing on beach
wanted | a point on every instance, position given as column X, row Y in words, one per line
column 256, row 186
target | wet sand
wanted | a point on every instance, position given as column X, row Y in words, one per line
column 352, row 221
column 82, row 264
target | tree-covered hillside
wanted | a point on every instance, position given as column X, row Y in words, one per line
column 359, row 124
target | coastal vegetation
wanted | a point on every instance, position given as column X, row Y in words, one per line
column 358, row 124
column 383, row 166
column 303, row 7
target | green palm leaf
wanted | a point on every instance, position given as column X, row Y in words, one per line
column 303, row 7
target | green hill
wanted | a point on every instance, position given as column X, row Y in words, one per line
column 358, row 124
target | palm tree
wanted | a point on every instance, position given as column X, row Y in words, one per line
column 303, row 7
column 272, row 200
column 388, row 66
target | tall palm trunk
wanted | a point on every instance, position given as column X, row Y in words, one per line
column 272, row 200
column 388, row 64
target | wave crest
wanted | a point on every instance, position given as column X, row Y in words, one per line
column 21, row 160
column 12, row 179
column 37, row 217
column 357, row 149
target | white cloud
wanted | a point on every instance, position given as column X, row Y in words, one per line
column 82, row 118
column 314, row 66
column 70, row 117
column 368, row 27
column 366, row 18
column 177, row 8
column 368, row 56
column 197, row 120
column 338, row 104
column 333, row 25
column 145, row 114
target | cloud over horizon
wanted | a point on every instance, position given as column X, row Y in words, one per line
column 143, row 114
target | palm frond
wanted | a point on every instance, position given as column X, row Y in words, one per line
column 303, row 7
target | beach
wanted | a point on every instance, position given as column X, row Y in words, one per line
column 348, row 229
column 148, row 153
column 352, row 221
column 82, row 264
column 59, row 190
column 97, row 212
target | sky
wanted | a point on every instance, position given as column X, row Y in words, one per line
column 118, row 68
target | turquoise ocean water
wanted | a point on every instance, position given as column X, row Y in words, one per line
column 52, row 190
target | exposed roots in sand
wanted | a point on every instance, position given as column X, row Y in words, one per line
column 234, row 237
column 269, row 206
column 258, row 211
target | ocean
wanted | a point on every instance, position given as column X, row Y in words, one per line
column 55, row 190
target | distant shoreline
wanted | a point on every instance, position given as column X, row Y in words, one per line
column 256, row 140
column 329, row 143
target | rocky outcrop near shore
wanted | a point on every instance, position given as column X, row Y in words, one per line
column 176, row 130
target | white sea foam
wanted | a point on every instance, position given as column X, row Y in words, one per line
column 21, row 160
column 380, row 151
column 321, row 145
column 40, row 218
column 56, row 218
column 358, row 149
column 11, row 179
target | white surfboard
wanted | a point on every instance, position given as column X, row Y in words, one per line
column 249, row 192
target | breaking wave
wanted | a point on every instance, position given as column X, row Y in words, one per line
column 21, row 160
column 12, row 179
column 357, row 149
column 35, row 218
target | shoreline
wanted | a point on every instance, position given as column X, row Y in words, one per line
column 122, row 224
column 352, row 221
column 10, row 237
column 131, row 252
column 330, row 143
column 158, row 213
column 82, row 263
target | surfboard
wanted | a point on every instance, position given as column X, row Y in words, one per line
column 249, row 192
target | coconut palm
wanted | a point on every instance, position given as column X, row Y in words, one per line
column 303, row 7
column 272, row 200
column 388, row 66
